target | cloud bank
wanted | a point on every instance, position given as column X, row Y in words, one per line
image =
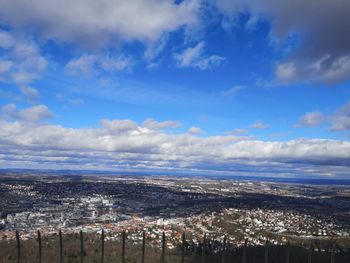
column 26, row 140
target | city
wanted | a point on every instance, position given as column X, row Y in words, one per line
column 239, row 209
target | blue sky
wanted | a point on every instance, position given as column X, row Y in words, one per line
column 209, row 87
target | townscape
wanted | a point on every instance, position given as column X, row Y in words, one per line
column 240, row 209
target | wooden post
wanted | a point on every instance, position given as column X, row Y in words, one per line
column 39, row 243
column 143, row 246
column 81, row 247
column 287, row 252
column 203, row 247
column 61, row 245
column 267, row 251
column 162, row 260
column 244, row 258
column 223, row 255
column 333, row 254
column 183, row 248
column 102, row 246
column 123, row 247
column 18, row 247
column 309, row 257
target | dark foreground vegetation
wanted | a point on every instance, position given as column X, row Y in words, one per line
column 92, row 248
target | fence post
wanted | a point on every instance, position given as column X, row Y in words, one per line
column 287, row 252
column 333, row 254
column 18, row 247
column 143, row 246
column 244, row 258
column 163, row 248
column 223, row 255
column 61, row 245
column 309, row 257
column 183, row 248
column 267, row 251
column 102, row 246
column 39, row 243
column 123, row 247
column 81, row 247
column 203, row 247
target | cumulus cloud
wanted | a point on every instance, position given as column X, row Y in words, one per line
column 33, row 114
column 259, row 125
column 22, row 62
column 195, row 130
column 125, row 144
column 195, row 57
column 324, row 52
column 311, row 119
column 119, row 126
column 286, row 72
column 340, row 120
column 89, row 23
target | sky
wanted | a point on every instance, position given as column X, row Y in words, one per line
column 225, row 87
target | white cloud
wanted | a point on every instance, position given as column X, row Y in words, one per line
column 119, row 126
column 156, row 125
column 33, row 114
column 153, row 65
column 68, row 99
column 259, row 125
column 22, row 62
column 91, row 23
column 338, row 70
column 194, row 57
column 232, row 91
column 237, row 132
column 340, row 120
column 83, row 65
column 87, row 65
column 286, row 72
column 31, row 94
column 9, row 111
column 123, row 144
column 195, row 130
column 5, row 65
column 116, row 64
column 155, row 48
column 311, row 119
column 6, row 40
column 76, row 101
